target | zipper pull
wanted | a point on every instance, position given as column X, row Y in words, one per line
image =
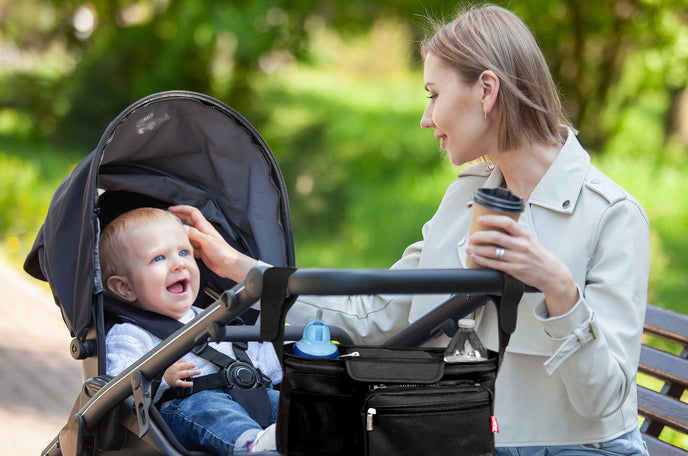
column 350, row 355
column 369, row 418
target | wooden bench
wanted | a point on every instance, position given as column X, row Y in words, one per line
column 664, row 409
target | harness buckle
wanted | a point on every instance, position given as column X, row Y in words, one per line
column 243, row 375
column 200, row 348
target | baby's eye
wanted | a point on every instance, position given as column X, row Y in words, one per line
column 184, row 253
column 158, row 258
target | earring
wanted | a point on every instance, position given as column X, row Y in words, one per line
column 484, row 113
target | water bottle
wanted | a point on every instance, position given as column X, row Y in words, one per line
column 316, row 342
column 465, row 346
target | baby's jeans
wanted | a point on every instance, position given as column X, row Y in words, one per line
column 212, row 420
column 629, row 444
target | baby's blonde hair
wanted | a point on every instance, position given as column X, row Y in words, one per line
column 113, row 247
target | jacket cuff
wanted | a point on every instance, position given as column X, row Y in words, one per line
column 567, row 333
column 561, row 326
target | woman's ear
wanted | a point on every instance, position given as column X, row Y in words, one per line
column 121, row 287
column 489, row 83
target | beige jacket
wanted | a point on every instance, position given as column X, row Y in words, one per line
column 586, row 392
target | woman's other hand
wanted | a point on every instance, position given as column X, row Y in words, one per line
column 525, row 259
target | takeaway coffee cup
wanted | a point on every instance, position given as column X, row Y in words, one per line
column 498, row 201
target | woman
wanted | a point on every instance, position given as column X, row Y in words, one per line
column 567, row 382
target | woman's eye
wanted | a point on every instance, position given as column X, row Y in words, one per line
column 432, row 96
column 158, row 258
column 184, row 253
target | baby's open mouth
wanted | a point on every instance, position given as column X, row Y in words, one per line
column 178, row 287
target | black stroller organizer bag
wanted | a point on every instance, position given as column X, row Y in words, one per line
column 380, row 401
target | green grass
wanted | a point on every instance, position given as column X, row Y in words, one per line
column 353, row 155
column 29, row 174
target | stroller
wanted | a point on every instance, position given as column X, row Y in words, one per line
column 181, row 147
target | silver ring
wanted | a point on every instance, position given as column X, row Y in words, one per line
column 499, row 253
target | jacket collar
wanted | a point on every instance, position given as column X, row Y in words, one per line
column 560, row 187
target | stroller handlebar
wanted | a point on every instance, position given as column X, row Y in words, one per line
column 313, row 281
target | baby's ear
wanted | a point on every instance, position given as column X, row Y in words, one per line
column 121, row 287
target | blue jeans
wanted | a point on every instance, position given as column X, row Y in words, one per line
column 629, row 444
column 212, row 420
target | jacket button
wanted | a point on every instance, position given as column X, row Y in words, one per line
column 595, row 181
column 462, row 242
column 566, row 204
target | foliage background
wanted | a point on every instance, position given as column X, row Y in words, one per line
column 335, row 87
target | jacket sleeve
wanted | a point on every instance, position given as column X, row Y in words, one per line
column 597, row 344
column 368, row 319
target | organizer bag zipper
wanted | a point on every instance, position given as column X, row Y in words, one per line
column 369, row 418
column 410, row 409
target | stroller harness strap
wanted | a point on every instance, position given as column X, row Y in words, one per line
column 239, row 378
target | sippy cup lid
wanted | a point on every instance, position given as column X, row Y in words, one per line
column 316, row 341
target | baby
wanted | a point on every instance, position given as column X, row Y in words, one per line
column 147, row 261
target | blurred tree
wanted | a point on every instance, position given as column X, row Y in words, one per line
column 125, row 49
column 606, row 54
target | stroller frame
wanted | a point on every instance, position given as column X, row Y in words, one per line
column 277, row 288
column 181, row 147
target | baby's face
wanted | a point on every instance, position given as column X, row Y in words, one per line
column 161, row 268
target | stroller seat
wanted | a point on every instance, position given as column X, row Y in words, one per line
column 175, row 147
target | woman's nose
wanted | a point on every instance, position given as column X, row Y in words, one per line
column 426, row 118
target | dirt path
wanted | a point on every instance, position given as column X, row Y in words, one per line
column 39, row 379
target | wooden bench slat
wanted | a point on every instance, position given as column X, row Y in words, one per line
column 657, row 447
column 667, row 323
column 658, row 407
column 663, row 365
column 664, row 408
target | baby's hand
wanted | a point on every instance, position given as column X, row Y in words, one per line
column 176, row 374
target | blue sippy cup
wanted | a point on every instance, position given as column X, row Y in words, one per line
column 316, row 341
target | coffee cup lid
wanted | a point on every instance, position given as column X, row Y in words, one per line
column 499, row 199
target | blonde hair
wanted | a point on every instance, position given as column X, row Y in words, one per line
column 493, row 38
column 113, row 247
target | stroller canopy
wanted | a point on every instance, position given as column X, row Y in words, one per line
column 169, row 148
